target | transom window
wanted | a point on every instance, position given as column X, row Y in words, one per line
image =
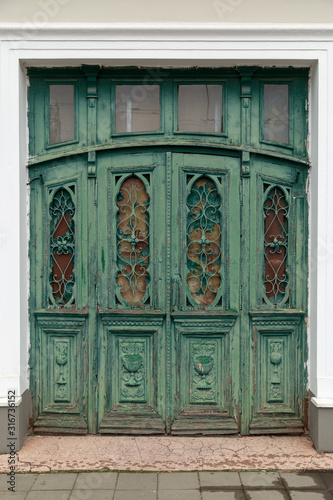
column 137, row 105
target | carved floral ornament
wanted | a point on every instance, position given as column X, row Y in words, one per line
column 203, row 358
column 275, row 355
column 61, row 358
column 132, row 372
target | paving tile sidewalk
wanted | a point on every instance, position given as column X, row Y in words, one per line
column 199, row 485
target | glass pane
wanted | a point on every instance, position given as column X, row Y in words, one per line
column 62, row 212
column 137, row 108
column 276, row 106
column 62, row 122
column 203, row 241
column 200, row 108
column 133, row 240
column 276, row 245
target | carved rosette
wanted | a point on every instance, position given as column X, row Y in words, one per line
column 203, row 369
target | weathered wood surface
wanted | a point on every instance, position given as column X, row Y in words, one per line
column 175, row 278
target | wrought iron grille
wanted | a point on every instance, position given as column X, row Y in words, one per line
column 276, row 278
column 133, row 241
column 204, row 241
column 62, row 247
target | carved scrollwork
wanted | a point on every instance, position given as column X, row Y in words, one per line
column 219, row 326
column 269, row 323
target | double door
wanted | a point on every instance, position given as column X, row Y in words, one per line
column 168, row 294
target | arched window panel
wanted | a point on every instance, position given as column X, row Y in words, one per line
column 276, row 278
column 133, row 235
column 203, row 242
column 62, row 247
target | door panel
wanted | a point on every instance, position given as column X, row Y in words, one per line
column 205, row 226
column 205, row 341
column 131, row 292
column 205, row 376
column 278, row 299
column 59, row 343
column 132, row 374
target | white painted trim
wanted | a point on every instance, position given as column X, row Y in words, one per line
column 4, row 401
column 322, row 403
column 160, row 45
column 170, row 31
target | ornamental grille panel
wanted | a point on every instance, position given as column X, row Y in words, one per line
column 203, row 241
column 276, row 213
column 133, row 241
column 62, row 247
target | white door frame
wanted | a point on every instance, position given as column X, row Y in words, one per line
column 162, row 45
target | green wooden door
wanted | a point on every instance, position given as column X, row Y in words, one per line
column 168, row 284
column 168, row 292
column 205, row 273
column 61, row 374
column 132, row 303
column 274, row 252
column 183, row 281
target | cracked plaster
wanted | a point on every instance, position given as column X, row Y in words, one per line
column 55, row 453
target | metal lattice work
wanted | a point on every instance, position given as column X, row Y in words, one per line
column 276, row 277
column 62, row 246
column 203, row 241
column 133, row 241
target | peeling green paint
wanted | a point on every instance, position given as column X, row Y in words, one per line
column 204, row 350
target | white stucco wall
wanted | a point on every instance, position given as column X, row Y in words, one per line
column 203, row 11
